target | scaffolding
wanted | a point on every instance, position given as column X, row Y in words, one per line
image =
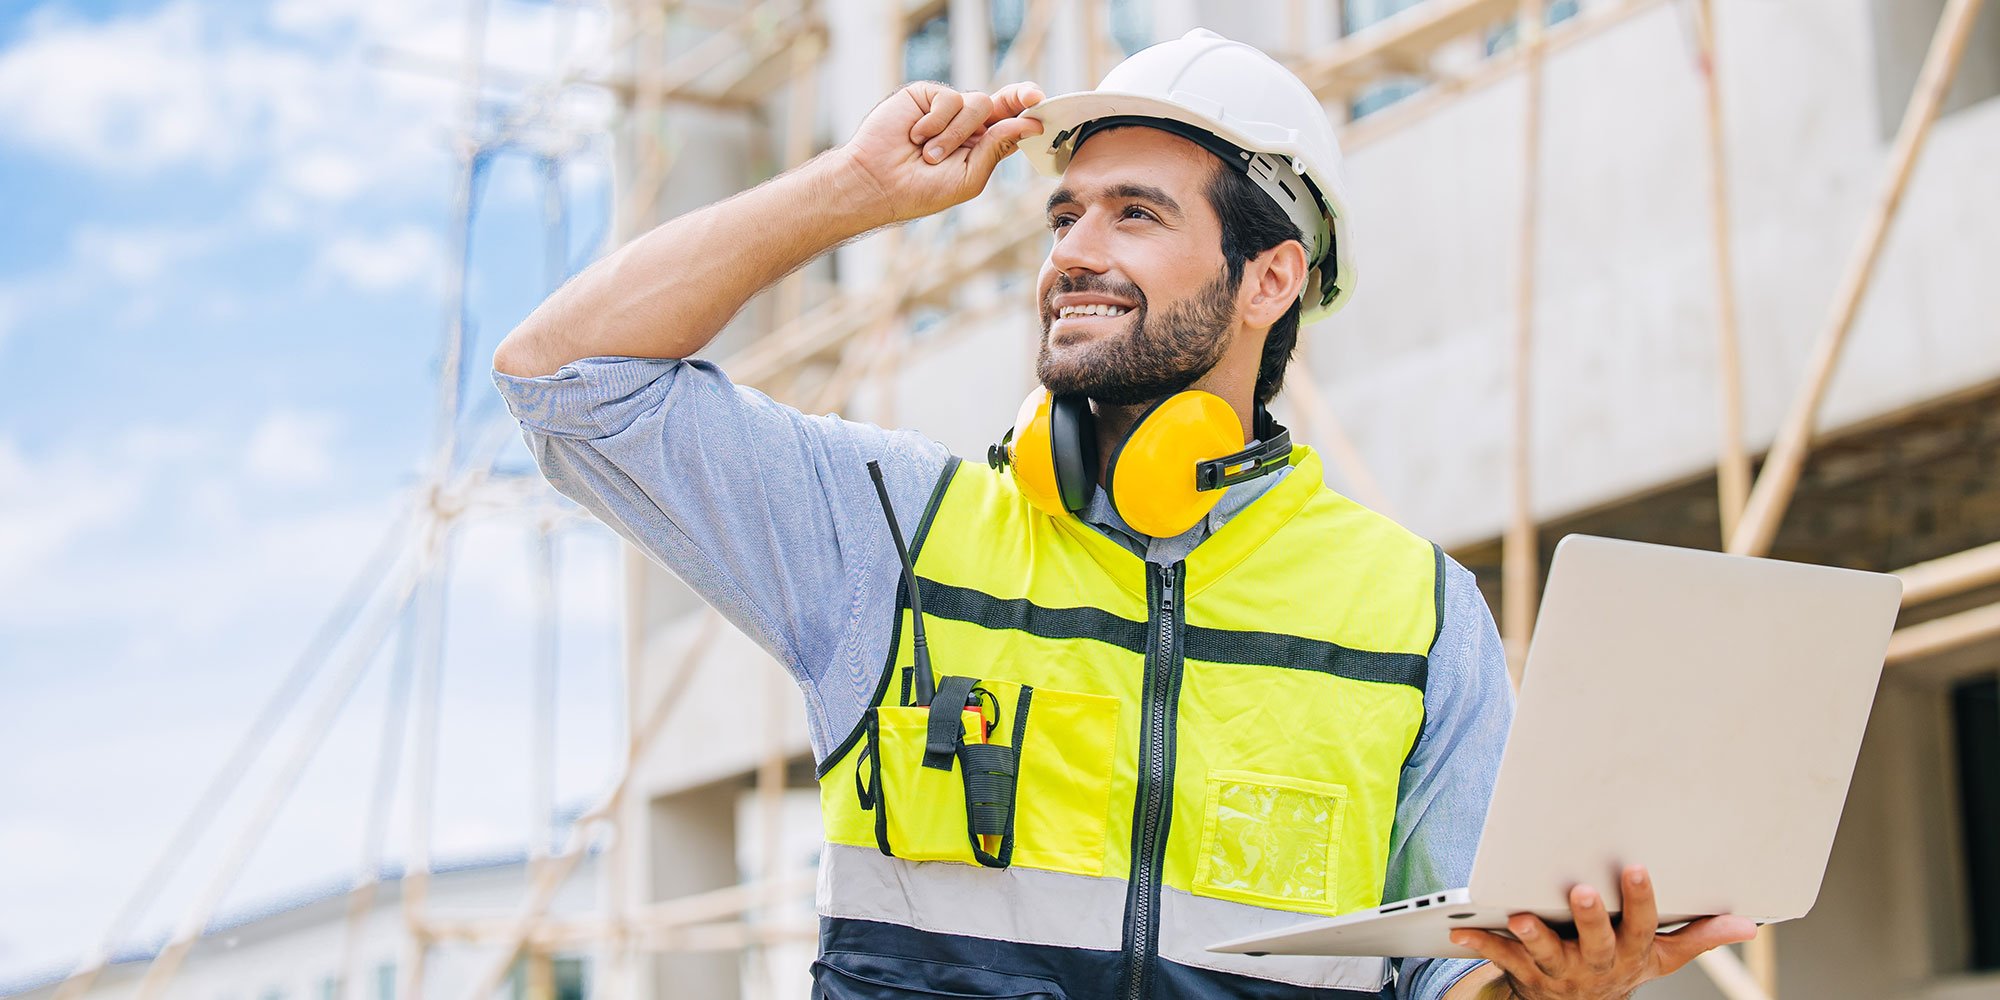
column 676, row 58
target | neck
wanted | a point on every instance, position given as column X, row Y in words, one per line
column 1114, row 421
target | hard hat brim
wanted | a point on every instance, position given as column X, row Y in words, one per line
column 1061, row 115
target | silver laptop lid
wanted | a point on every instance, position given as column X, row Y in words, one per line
column 1696, row 712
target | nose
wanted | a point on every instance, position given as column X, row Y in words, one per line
column 1082, row 247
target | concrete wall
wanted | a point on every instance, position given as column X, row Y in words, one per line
column 1418, row 366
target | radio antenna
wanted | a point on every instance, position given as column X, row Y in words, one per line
column 922, row 687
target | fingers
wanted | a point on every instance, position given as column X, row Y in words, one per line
column 943, row 105
column 1596, row 942
column 953, row 120
column 1000, row 141
column 1640, row 918
column 1542, row 944
column 971, row 117
column 1013, row 99
column 1679, row 948
column 1509, row 956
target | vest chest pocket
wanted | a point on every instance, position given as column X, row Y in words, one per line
column 1037, row 794
column 1065, row 796
column 1271, row 841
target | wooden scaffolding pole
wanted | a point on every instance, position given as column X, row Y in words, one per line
column 1780, row 476
column 1732, row 475
column 1520, row 556
column 1951, row 574
column 1942, row 635
column 1732, row 472
column 381, row 803
column 430, row 621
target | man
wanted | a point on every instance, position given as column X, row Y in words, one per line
column 1280, row 705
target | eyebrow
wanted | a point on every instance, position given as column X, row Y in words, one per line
column 1143, row 192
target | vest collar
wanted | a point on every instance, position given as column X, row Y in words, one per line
column 1255, row 524
column 1221, row 551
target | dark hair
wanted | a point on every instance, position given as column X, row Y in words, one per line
column 1251, row 224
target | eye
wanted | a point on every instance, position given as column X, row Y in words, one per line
column 1056, row 222
column 1129, row 209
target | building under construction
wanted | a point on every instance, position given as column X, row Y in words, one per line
column 1713, row 273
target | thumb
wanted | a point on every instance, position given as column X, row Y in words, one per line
column 1000, row 141
column 1681, row 947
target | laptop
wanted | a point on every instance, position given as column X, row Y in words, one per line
column 1694, row 712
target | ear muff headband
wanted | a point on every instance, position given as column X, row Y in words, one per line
column 1073, row 443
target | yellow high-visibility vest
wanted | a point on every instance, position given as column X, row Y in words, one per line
column 1172, row 755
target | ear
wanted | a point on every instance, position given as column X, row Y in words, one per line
column 1273, row 282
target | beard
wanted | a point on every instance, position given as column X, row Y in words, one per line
column 1160, row 356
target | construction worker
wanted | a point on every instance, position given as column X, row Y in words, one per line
column 1165, row 688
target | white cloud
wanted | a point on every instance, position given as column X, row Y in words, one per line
column 406, row 256
column 131, row 94
column 291, row 449
column 136, row 256
column 197, row 84
column 46, row 505
column 324, row 175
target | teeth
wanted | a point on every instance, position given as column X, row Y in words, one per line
column 1092, row 310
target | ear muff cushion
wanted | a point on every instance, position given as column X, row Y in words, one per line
column 1073, row 441
column 1032, row 459
column 1151, row 479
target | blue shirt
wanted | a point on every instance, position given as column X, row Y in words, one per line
column 769, row 514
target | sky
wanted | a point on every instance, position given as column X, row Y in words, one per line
column 222, row 289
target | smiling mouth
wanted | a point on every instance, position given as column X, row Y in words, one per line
column 1089, row 315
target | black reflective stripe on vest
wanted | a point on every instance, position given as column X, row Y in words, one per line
column 1269, row 649
column 963, row 604
column 1212, row 645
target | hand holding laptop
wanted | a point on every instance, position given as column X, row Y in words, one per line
column 1656, row 678
column 1602, row 960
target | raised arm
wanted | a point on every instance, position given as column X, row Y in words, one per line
column 669, row 292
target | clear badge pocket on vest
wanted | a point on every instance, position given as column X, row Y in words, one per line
column 1271, row 841
column 942, row 780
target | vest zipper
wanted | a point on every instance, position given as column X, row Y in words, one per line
column 1156, row 784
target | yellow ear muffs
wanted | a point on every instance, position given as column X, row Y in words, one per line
column 1052, row 450
column 1153, row 479
column 1028, row 449
column 1169, row 472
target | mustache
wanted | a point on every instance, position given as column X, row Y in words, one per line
column 1065, row 285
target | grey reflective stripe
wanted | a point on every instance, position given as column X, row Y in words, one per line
column 1190, row 923
column 1012, row 904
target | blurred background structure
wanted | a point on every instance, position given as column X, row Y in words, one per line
column 1708, row 272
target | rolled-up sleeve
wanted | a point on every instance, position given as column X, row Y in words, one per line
column 767, row 513
column 1468, row 707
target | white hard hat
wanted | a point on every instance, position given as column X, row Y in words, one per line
column 1271, row 126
